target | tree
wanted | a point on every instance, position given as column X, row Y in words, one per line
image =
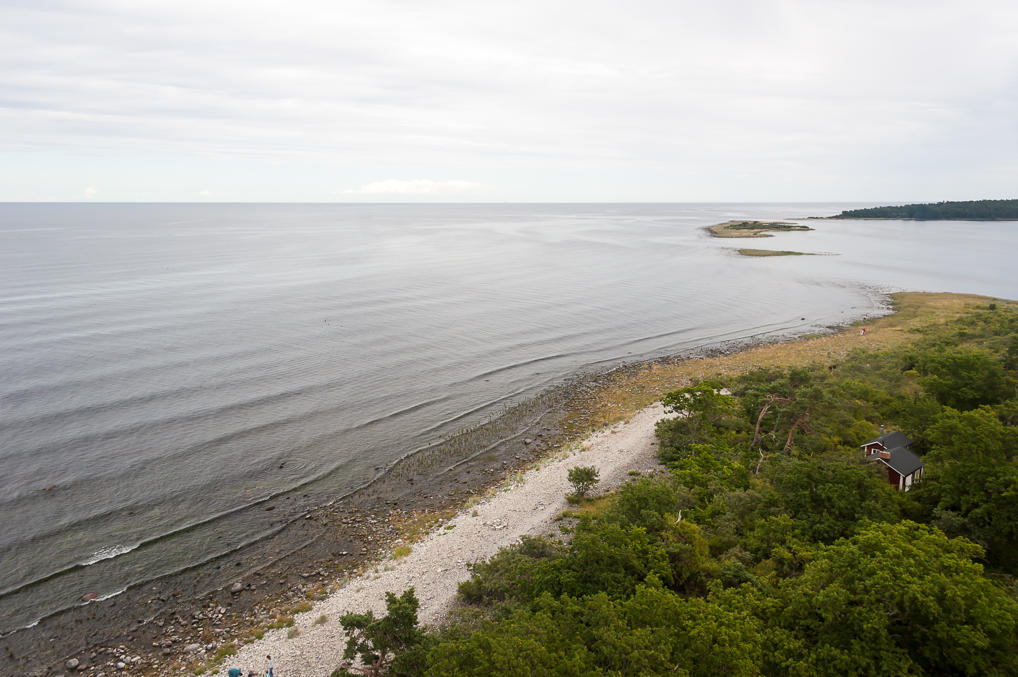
column 583, row 478
column 653, row 632
column 529, row 642
column 971, row 438
column 896, row 599
column 782, row 405
column 645, row 503
column 704, row 414
column 963, row 378
column 384, row 644
column 512, row 574
column 972, row 488
column 828, row 498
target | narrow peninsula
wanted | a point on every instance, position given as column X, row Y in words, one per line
column 771, row 252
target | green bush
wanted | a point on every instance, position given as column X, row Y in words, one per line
column 583, row 479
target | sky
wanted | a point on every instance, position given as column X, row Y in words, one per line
column 521, row 101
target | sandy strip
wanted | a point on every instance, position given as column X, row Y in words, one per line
column 437, row 564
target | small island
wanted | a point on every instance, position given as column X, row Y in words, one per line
column 971, row 210
column 772, row 252
column 753, row 228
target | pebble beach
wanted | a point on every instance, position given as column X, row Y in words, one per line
column 526, row 505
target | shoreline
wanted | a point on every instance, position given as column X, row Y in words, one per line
column 187, row 633
column 525, row 505
column 529, row 504
column 596, row 414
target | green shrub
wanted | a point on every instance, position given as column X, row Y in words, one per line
column 583, row 479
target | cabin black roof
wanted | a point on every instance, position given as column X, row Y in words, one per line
column 891, row 440
column 903, row 461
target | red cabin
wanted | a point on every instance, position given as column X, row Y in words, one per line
column 904, row 467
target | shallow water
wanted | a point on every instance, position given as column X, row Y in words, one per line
column 166, row 367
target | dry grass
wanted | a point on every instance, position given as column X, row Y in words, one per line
column 413, row 527
column 631, row 390
column 300, row 608
column 588, row 507
column 282, row 621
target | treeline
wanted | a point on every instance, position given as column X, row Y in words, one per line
column 971, row 210
column 771, row 547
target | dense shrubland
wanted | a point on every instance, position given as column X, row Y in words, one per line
column 771, row 546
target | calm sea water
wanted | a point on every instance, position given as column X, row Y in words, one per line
column 165, row 366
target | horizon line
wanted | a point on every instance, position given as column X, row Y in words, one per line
column 479, row 202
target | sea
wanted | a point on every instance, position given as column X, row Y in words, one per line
column 166, row 369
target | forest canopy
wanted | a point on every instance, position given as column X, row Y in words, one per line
column 970, row 210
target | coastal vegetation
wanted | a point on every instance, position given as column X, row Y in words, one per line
column 583, row 479
column 969, row 210
column 753, row 228
column 771, row 546
column 391, row 643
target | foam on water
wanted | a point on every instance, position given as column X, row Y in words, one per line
column 108, row 552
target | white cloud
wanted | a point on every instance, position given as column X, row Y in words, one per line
column 90, row 192
column 573, row 100
column 395, row 187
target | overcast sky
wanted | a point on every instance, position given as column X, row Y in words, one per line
column 447, row 100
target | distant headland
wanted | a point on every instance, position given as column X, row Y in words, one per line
column 971, row 210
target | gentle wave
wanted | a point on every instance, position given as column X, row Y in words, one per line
column 80, row 521
column 179, row 395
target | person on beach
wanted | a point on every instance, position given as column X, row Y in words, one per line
column 269, row 673
column 235, row 672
